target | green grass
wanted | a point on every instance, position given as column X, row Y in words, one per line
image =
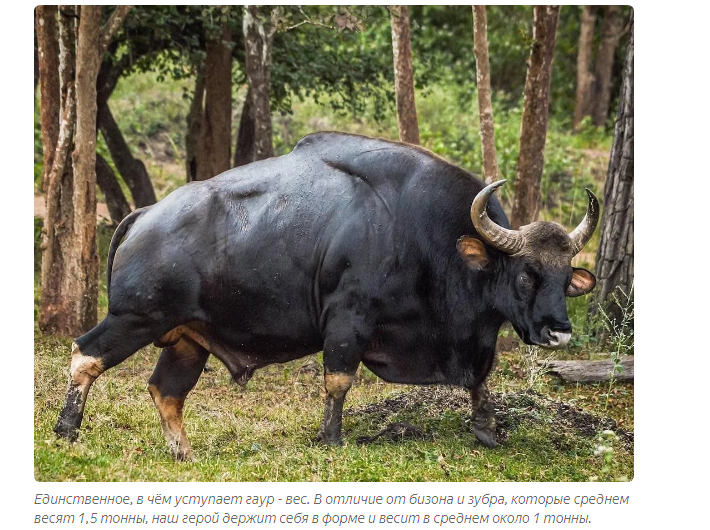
column 265, row 432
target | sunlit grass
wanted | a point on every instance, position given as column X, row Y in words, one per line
column 265, row 432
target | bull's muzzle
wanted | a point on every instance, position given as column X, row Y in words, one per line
column 554, row 339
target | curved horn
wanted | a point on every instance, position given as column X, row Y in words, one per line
column 508, row 241
column 583, row 233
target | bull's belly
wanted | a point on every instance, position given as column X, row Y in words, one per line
column 425, row 365
column 243, row 352
column 405, row 369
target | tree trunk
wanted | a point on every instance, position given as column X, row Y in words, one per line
column 244, row 150
column 133, row 171
column 36, row 58
column 615, row 257
column 57, row 227
column 194, row 127
column 118, row 206
column 258, row 44
column 612, row 29
column 48, row 56
column 59, row 211
column 82, row 281
column 216, row 130
column 533, row 130
column 585, row 77
column 403, row 75
column 69, row 258
column 483, row 83
column 109, row 73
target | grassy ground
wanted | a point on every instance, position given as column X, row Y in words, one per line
column 265, row 432
column 549, row 431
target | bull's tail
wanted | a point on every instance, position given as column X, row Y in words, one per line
column 121, row 231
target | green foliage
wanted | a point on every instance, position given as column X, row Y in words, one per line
column 610, row 469
column 442, row 41
column 442, row 46
column 348, row 69
column 325, row 52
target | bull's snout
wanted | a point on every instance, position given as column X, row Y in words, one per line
column 555, row 339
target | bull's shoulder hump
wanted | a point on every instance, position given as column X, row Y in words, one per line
column 333, row 144
column 371, row 159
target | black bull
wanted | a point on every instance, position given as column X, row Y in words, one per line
column 359, row 247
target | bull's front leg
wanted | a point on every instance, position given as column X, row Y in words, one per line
column 483, row 416
column 341, row 357
column 336, row 386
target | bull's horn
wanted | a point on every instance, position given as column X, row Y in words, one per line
column 583, row 233
column 508, row 241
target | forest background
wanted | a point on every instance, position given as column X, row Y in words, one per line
column 331, row 68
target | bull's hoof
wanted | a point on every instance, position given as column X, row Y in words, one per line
column 184, row 456
column 181, row 451
column 66, row 430
column 323, row 438
column 486, row 437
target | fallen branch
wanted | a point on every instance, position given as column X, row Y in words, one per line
column 592, row 371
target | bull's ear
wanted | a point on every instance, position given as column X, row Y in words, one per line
column 583, row 281
column 473, row 252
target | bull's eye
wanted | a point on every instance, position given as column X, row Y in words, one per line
column 525, row 281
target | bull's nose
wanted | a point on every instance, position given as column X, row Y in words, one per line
column 555, row 339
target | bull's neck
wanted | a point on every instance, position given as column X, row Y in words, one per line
column 474, row 316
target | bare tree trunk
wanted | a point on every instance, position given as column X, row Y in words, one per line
column 58, row 219
column 404, row 75
column 615, row 257
column 133, row 170
column 612, row 30
column 216, row 130
column 533, row 130
column 244, row 150
column 48, row 58
column 36, row 58
column 69, row 258
column 194, row 127
column 585, row 77
column 259, row 33
column 483, row 83
column 118, row 206
column 82, row 281
column 59, row 211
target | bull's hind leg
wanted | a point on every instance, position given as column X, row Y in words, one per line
column 176, row 373
column 115, row 339
column 483, row 416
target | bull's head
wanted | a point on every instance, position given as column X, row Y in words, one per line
column 535, row 273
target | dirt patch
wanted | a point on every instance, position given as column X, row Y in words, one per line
column 41, row 207
column 395, row 432
column 512, row 410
